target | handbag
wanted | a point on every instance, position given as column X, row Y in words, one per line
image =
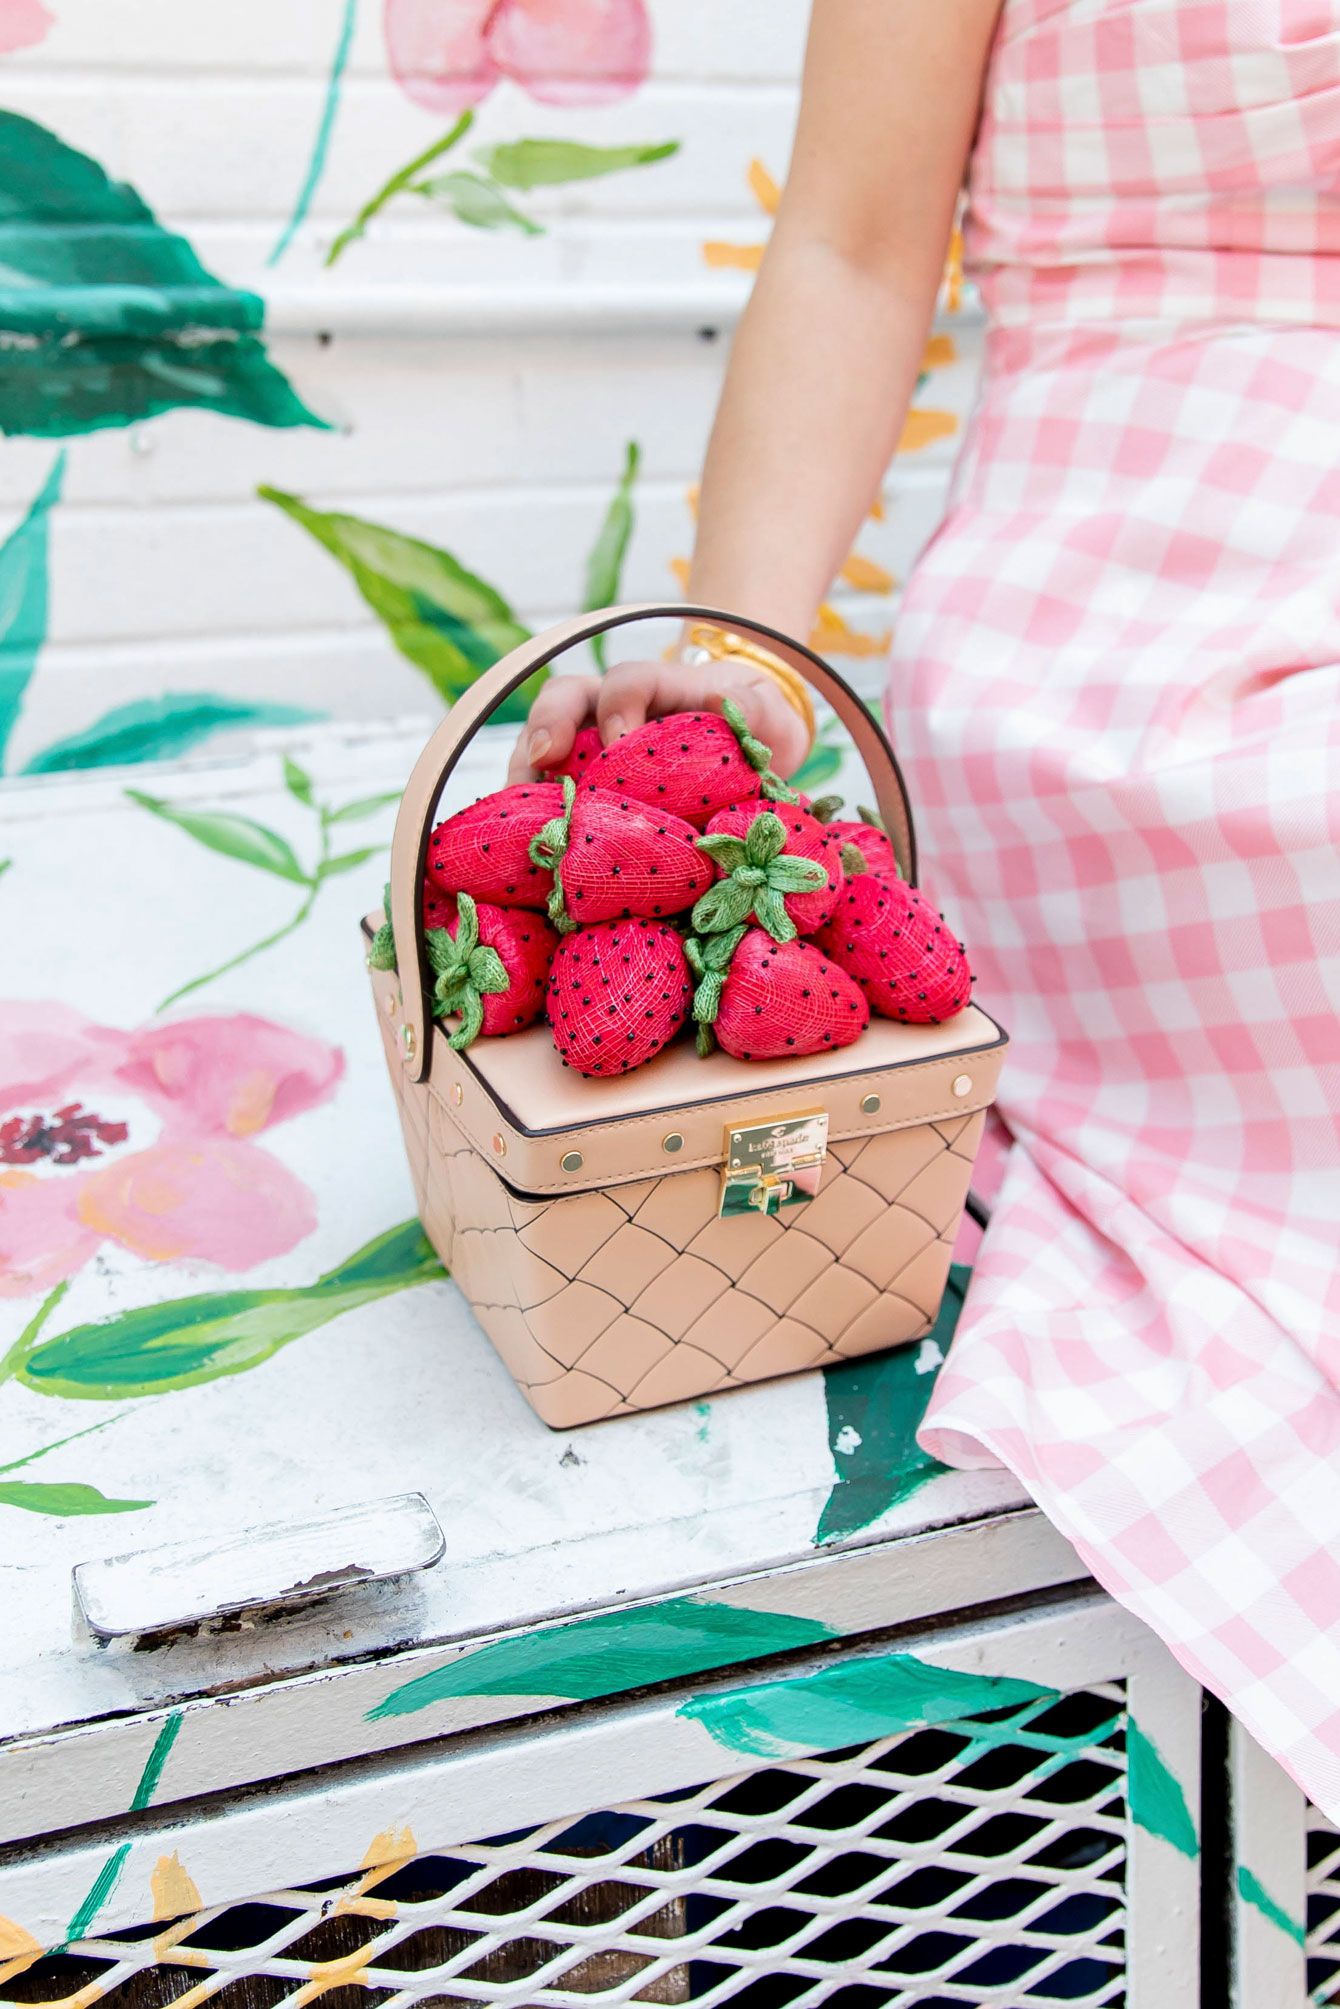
column 648, row 1238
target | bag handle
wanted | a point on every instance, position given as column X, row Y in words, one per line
column 409, row 848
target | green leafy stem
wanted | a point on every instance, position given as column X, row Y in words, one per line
column 255, row 844
column 185, row 1341
column 478, row 196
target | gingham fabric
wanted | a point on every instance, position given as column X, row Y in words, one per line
column 1116, row 689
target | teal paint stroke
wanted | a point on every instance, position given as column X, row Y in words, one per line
column 161, row 728
column 608, row 1654
column 1157, row 1801
column 23, row 600
column 1252, row 1891
column 875, row 1407
column 856, row 1701
column 104, row 1883
column 316, row 165
column 106, row 317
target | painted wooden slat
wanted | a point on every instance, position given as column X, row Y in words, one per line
column 1267, row 1904
column 312, row 1828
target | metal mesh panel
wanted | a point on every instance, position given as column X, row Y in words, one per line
column 979, row 1862
column 1323, row 1909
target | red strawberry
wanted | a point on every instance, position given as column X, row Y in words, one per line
column 523, row 943
column 756, row 870
column 765, row 1001
column 898, row 949
column 690, row 763
column 439, row 909
column 610, row 857
column 872, row 844
column 584, row 750
column 490, row 966
column 485, row 850
column 617, row 993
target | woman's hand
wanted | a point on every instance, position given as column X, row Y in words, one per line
column 634, row 692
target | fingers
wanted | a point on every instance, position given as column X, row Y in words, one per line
column 563, row 705
column 629, row 695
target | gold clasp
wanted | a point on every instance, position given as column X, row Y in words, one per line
column 774, row 1164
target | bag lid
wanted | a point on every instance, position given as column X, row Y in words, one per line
column 548, row 1130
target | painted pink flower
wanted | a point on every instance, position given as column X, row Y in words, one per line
column 144, row 1138
column 23, row 24
column 448, row 54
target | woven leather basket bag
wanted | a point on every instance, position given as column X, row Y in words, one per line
column 697, row 1224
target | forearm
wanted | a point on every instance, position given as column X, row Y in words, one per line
column 819, row 383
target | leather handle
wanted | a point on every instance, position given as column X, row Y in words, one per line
column 409, row 848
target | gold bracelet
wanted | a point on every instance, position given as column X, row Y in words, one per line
column 721, row 643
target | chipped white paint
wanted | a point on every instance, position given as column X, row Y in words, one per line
column 261, row 1568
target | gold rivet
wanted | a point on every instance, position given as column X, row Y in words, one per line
column 457, row 1093
column 407, row 1040
column 962, row 1084
column 571, row 1161
column 871, row 1105
column 674, row 1142
column 500, row 1145
column 388, row 1005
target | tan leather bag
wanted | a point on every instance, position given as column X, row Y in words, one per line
column 696, row 1224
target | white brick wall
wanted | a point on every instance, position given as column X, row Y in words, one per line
column 484, row 385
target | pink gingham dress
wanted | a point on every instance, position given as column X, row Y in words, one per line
column 1116, row 686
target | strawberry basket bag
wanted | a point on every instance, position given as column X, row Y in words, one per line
column 639, row 1239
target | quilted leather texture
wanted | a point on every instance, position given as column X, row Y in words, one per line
column 602, row 1303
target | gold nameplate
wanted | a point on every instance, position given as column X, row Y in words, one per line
column 773, row 1164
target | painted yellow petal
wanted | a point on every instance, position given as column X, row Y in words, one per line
column 763, row 188
column 877, row 510
column 173, row 1890
column 866, row 576
column 745, row 257
column 923, row 428
column 940, row 352
column 680, row 568
column 393, row 1845
column 832, row 637
column 953, row 280
column 250, row 1103
column 692, row 495
column 18, row 1949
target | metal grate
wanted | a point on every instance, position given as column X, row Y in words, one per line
column 979, row 1862
column 1323, row 1909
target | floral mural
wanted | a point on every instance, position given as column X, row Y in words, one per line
column 448, row 54
column 147, row 1139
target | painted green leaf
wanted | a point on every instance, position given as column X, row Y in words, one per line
column 367, row 805
column 348, row 861
column 604, row 567
column 235, row 836
column 193, row 1339
column 395, row 184
column 875, row 1407
column 1157, row 1800
column 820, row 765
column 476, row 201
column 543, row 163
column 23, row 597
column 110, row 317
column 609, row 1654
column 853, row 1702
column 158, row 729
column 1253, row 1891
column 450, row 623
column 63, row 1500
column 298, row 782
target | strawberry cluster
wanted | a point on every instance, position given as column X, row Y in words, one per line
column 672, row 877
